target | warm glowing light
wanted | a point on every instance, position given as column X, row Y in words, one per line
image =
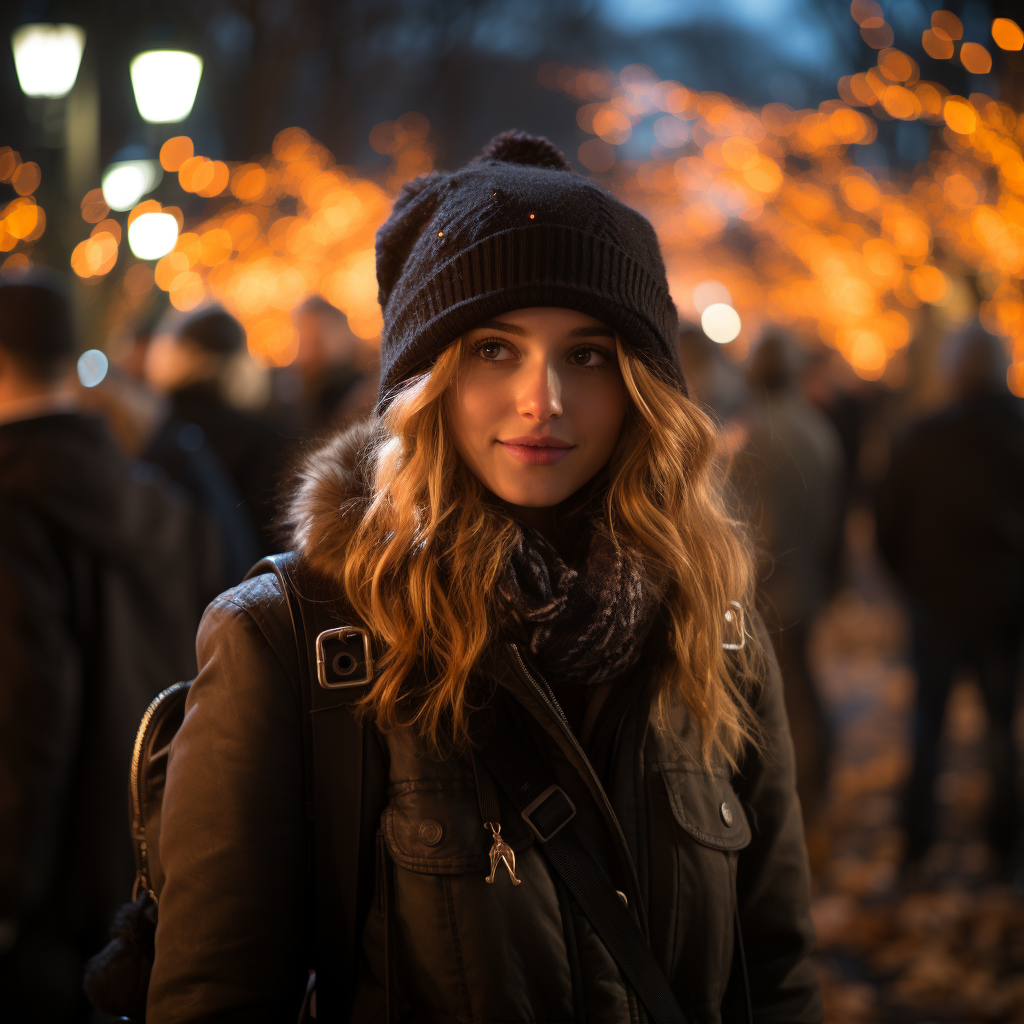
column 1007, row 34
column 94, row 206
column 23, row 220
column 95, row 256
column 10, row 161
column 720, row 322
column 612, row 125
column 92, row 367
column 865, row 10
column 937, row 45
column 127, row 181
column 248, row 182
column 896, row 65
column 47, row 57
column 975, row 58
column 152, row 235
column 878, row 34
column 174, row 152
column 165, row 84
column 26, row 178
column 929, row 284
column 948, row 24
column 960, row 116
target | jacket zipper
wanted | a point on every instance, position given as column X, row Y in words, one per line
column 548, row 694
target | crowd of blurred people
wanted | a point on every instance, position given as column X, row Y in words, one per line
column 947, row 496
column 125, row 509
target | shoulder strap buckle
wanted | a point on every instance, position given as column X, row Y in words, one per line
column 344, row 658
column 549, row 813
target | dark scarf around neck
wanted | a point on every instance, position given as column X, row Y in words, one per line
column 583, row 621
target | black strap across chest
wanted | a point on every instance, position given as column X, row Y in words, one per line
column 547, row 809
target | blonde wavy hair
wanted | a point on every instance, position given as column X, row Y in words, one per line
column 427, row 559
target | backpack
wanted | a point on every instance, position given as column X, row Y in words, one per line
column 314, row 644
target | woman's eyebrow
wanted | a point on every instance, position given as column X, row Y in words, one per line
column 498, row 325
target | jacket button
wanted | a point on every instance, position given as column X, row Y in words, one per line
column 726, row 812
column 431, row 832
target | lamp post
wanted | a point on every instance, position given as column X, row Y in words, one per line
column 62, row 100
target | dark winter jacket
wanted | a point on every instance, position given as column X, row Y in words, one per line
column 104, row 572
column 251, row 447
column 684, row 846
column 951, row 514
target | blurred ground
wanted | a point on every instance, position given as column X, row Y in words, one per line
column 952, row 951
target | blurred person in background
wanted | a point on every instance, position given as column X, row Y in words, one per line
column 334, row 383
column 104, row 574
column 950, row 515
column 190, row 364
column 789, row 478
column 713, row 380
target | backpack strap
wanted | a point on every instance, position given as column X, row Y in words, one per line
column 531, row 787
column 344, row 771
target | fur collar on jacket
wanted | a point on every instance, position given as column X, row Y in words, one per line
column 333, row 477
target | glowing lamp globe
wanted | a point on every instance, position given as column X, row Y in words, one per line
column 47, row 58
column 165, row 84
column 721, row 323
column 152, row 235
column 125, row 182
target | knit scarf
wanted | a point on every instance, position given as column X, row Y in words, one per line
column 584, row 622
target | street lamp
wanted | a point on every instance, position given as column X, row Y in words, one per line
column 165, row 84
column 47, row 58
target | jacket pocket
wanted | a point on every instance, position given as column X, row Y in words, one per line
column 707, row 807
column 434, row 827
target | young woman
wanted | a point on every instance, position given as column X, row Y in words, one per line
column 532, row 536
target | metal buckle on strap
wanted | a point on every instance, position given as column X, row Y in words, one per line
column 549, row 813
column 338, row 657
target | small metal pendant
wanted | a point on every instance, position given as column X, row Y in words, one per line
column 501, row 852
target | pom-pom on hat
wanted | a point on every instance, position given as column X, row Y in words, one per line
column 516, row 228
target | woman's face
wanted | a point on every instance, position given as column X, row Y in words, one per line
column 538, row 404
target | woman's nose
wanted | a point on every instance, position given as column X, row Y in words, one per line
column 540, row 393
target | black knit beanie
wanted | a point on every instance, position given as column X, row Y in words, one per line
column 516, row 228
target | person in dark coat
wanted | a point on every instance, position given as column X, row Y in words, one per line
column 789, row 477
column 336, row 387
column 529, row 531
column 950, row 514
column 189, row 363
column 104, row 574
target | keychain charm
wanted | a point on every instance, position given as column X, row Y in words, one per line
column 501, row 852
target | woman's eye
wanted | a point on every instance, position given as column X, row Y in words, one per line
column 589, row 357
column 493, row 351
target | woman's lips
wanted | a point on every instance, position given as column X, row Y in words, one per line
column 537, row 452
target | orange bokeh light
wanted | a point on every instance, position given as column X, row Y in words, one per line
column 174, row 152
column 948, row 24
column 1007, row 34
column 26, row 178
column 94, row 206
column 975, row 58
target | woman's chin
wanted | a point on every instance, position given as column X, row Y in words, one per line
column 532, row 498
